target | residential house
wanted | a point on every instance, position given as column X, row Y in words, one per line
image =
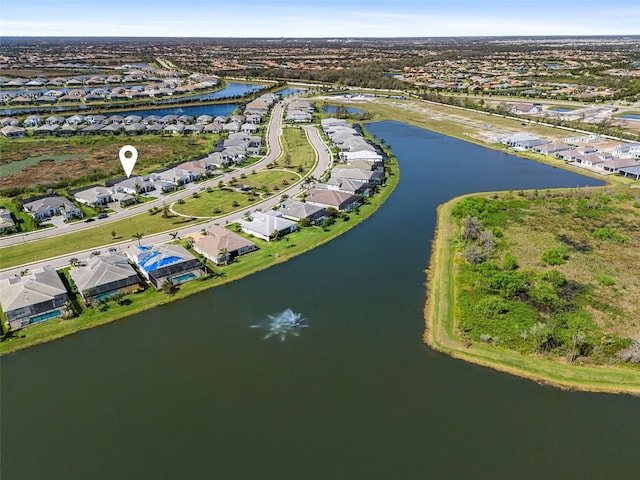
column 221, row 245
column 552, row 148
column 13, row 132
column 134, row 185
column 7, row 224
column 623, row 148
column 523, row 141
column 32, row 121
column 95, row 195
column 104, row 276
column 616, row 164
column 631, row 172
column 35, row 297
column 332, row 198
column 176, row 176
column 46, row 207
column 267, row 225
column 164, row 262
column 45, row 130
column 296, row 210
column 525, row 109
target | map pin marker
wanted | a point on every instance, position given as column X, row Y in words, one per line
column 128, row 162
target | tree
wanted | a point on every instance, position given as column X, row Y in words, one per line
column 169, row 287
column 223, row 255
column 113, row 234
column 138, row 236
column 174, row 235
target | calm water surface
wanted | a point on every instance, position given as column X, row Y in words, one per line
column 189, row 390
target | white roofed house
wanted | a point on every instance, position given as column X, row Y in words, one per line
column 552, row 148
column 46, row 207
column 96, row 195
column 267, row 225
column 524, row 141
column 625, row 148
column 35, row 297
column 165, row 262
column 7, row 223
column 176, row 176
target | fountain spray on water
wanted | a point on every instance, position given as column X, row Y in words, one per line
column 282, row 324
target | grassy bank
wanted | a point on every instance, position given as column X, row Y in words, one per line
column 442, row 329
column 269, row 254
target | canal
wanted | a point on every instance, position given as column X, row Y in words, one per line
column 190, row 390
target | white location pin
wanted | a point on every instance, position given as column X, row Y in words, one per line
column 128, row 162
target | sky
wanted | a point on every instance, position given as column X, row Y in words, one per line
column 318, row 18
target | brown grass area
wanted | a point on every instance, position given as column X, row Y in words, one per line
column 102, row 157
column 616, row 308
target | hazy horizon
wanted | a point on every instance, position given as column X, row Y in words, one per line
column 327, row 19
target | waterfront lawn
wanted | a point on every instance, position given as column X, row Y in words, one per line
column 269, row 254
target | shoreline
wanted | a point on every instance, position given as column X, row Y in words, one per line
column 440, row 332
column 94, row 319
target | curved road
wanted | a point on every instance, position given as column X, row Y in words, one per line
column 275, row 130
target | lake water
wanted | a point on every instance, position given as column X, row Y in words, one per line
column 195, row 110
column 561, row 109
column 334, row 108
column 232, row 90
column 190, row 390
column 630, row 116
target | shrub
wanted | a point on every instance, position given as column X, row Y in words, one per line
column 510, row 262
column 555, row 256
column 609, row 234
column 606, row 280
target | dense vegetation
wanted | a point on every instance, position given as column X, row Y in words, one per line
column 551, row 273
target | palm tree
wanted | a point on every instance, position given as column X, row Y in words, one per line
column 174, row 235
column 223, row 254
column 138, row 236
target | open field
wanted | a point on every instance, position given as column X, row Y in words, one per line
column 90, row 158
column 269, row 254
column 442, row 311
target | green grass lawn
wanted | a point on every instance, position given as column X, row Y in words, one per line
column 213, row 204
column 88, row 238
column 269, row 253
column 296, row 149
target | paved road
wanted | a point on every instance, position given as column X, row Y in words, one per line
column 275, row 130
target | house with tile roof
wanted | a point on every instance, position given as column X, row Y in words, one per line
column 104, row 276
column 33, row 298
column 221, row 245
